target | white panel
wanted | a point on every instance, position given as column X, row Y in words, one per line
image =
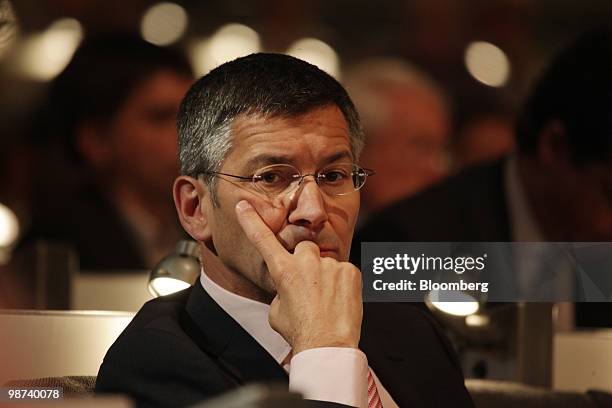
column 583, row 361
column 119, row 291
column 37, row 344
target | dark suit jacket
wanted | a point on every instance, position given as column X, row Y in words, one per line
column 95, row 229
column 468, row 207
column 184, row 348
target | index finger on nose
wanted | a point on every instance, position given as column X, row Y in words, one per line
column 259, row 234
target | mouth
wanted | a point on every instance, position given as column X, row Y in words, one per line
column 328, row 246
column 325, row 252
column 329, row 253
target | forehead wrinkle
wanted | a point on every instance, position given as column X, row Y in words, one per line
column 257, row 135
column 254, row 124
column 251, row 124
column 338, row 156
column 265, row 159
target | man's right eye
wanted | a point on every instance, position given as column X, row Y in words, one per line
column 272, row 177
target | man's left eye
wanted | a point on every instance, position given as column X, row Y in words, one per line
column 334, row 175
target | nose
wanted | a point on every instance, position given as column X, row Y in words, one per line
column 307, row 205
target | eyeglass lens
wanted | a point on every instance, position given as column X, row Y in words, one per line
column 336, row 179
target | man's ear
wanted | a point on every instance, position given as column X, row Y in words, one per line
column 93, row 146
column 193, row 206
column 553, row 147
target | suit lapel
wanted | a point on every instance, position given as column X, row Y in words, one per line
column 221, row 337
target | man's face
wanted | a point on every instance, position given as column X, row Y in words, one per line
column 143, row 134
column 308, row 142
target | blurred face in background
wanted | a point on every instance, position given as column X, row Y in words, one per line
column 594, row 184
column 572, row 200
column 484, row 138
column 408, row 150
column 577, row 201
column 138, row 146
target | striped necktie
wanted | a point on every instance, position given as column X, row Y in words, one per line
column 373, row 397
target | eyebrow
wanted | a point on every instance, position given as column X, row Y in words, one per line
column 262, row 160
column 268, row 159
column 337, row 156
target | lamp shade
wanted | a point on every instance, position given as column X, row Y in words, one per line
column 177, row 271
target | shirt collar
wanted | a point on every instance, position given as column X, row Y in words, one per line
column 152, row 239
column 523, row 224
column 251, row 315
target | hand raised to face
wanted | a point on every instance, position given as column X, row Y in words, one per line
column 318, row 301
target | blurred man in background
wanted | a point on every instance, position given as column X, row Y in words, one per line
column 556, row 188
column 484, row 137
column 407, row 123
column 113, row 112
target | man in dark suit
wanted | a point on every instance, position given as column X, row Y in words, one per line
column 268, row 152
column 556, row 188
column 118, row 153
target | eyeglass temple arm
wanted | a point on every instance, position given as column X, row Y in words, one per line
column 229, row 175
column 369, row 172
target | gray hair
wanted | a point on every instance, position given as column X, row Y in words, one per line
column 268, row 85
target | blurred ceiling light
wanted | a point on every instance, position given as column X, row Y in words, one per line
column 317, row 53
column 487, row 63
column 163, row 23
column 8, row 27
column 227, row 43
column 9, row 226
column 45, row 55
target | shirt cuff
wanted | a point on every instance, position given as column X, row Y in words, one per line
column 334, row 374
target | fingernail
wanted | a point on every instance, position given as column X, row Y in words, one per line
column 243, row 205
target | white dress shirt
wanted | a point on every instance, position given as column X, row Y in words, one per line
column 334, row 374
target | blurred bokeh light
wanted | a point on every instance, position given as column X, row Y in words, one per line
column 477, row 320
column 317, row 53
column 44, row 55
column 9, row 226
column 164, row 23
column 227, row 43
column 487, row 63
